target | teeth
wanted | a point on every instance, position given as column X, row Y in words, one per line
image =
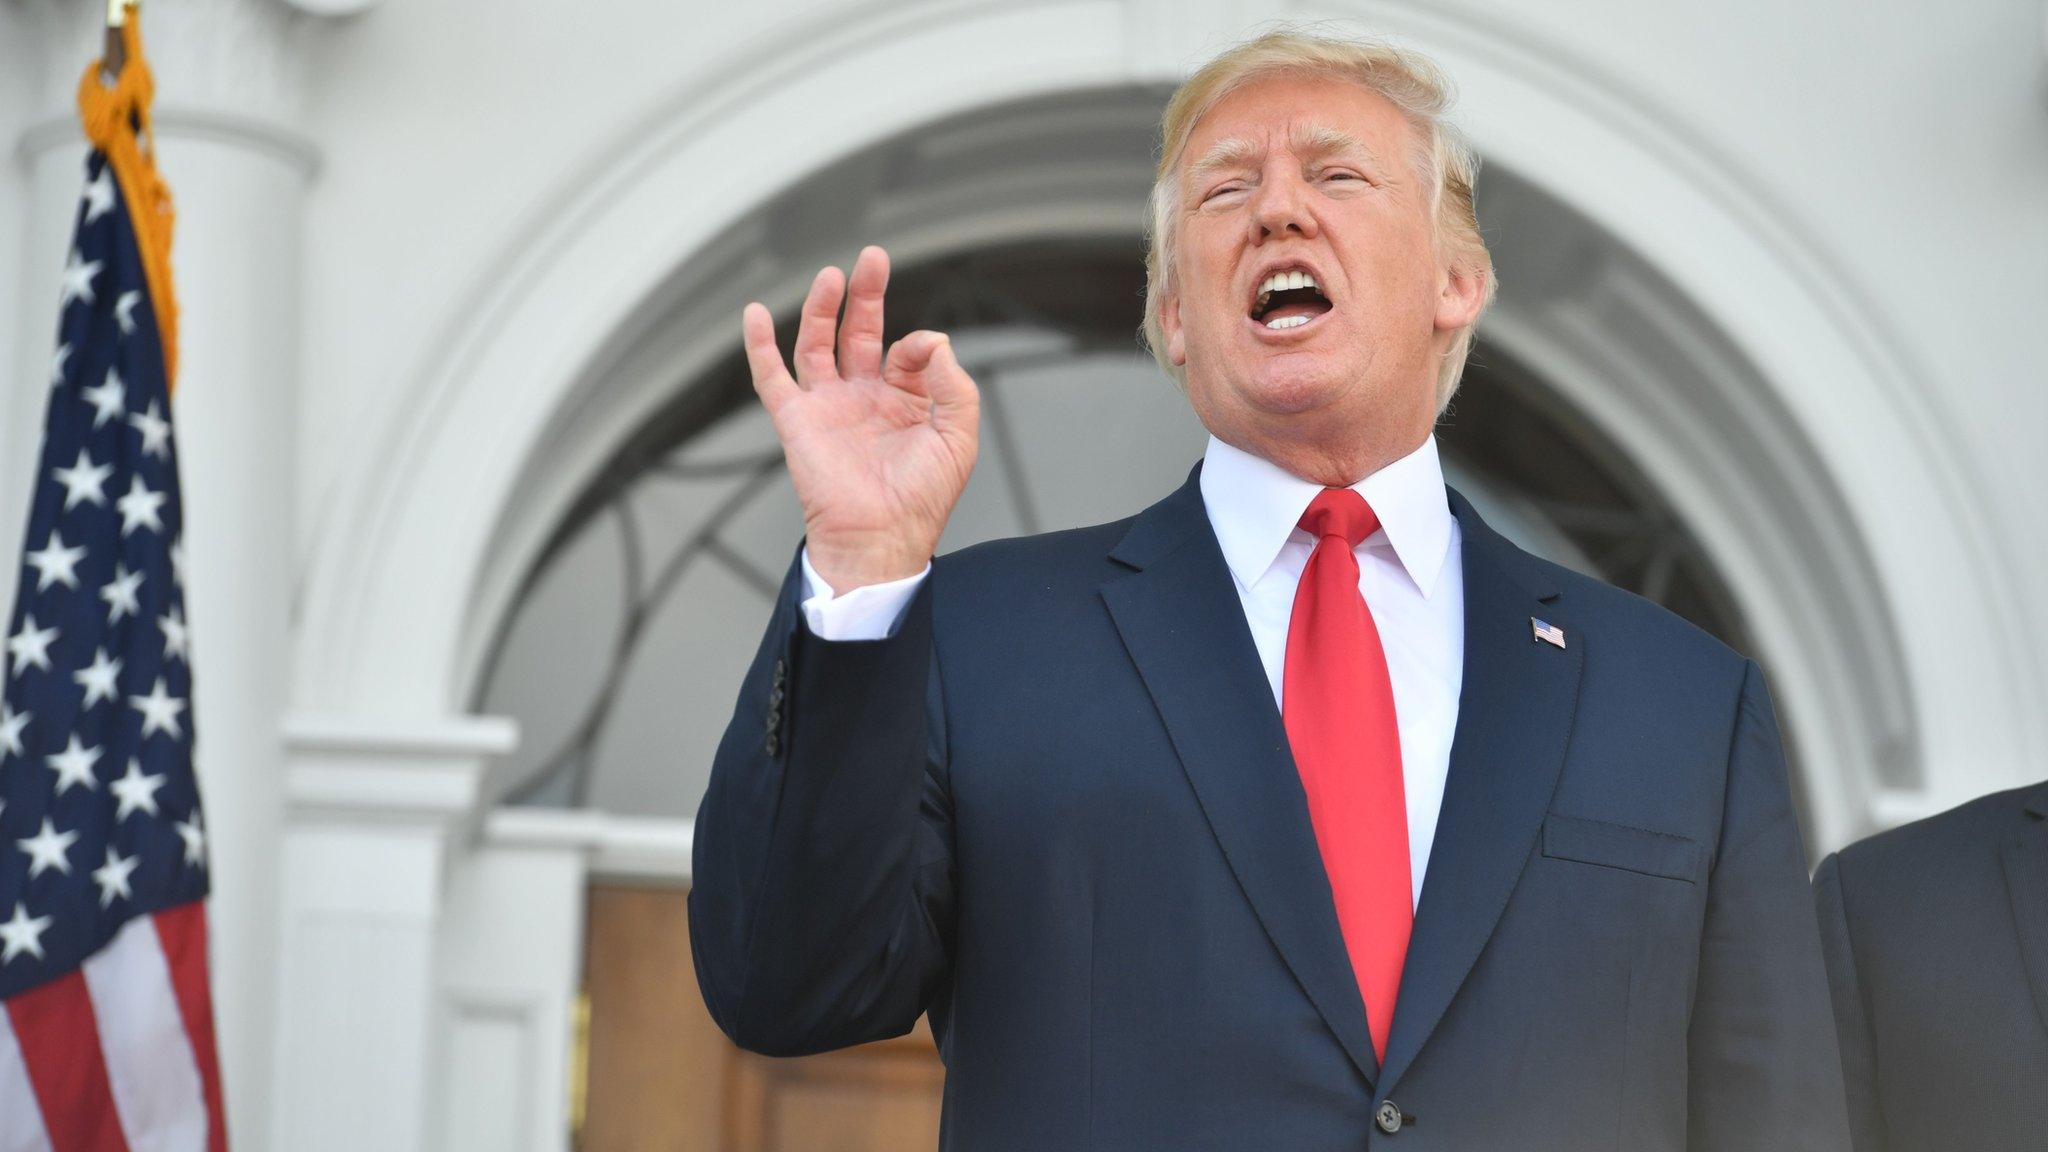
column 1287, row 322
column 1282, row 281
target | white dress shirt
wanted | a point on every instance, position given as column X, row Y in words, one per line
column 1411, row 573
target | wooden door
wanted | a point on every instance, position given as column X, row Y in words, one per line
column 660, row 1077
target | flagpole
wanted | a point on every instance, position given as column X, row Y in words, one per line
column 115, row 56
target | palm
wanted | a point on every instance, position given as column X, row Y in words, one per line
column 878, row 448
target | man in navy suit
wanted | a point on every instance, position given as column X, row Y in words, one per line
column 1298, row 811
column 1936, row 937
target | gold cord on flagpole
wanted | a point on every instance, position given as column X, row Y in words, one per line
column 114, row 99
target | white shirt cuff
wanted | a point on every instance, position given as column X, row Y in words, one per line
column 870, row 612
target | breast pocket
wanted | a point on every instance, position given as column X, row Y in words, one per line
column 1631, row 849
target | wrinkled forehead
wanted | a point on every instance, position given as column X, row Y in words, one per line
column 1308, row 115
column 1305, row 139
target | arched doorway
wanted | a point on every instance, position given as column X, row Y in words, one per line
column 1016, row 229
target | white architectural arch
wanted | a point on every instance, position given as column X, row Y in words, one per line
column 390, row 621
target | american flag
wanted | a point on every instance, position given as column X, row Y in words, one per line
column 107, row 1042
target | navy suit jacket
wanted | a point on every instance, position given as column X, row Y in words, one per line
column 1056, row 809
column 1936, row 936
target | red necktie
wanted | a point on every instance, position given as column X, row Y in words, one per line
column 1338, row 707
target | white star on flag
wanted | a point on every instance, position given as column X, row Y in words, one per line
column 31, row 646
column 175, row 635
column 84, row 480
column 56, row 564
column 24, row 933
column 107, row 400
column 112, row 877
column 121, row 594
column 124, row 311
column 78, row 278
column 99, row 196
column 57, row 362
column 11, row 725
column 159, row 711
column 74, row 765
column 136, row 791
column 97, row 679
column 156, row 431
column 195, row 840
column 46, row 850
column 139, row 507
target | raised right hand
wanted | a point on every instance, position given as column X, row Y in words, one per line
column 879, row 451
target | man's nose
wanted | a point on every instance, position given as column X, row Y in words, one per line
column 1280, row 208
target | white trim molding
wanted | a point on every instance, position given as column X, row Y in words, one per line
column 616, row 849
column 427, row 774
column 374, row 812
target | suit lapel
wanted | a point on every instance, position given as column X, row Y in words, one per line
column 1181, row 620
column 1515, row 713
column 2026, row 879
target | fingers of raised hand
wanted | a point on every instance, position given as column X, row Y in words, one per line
column 816, row 330
column 860, row 337
column 772, row 381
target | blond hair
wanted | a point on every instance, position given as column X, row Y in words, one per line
column 1408, row 80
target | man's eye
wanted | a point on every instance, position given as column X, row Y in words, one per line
column 1343, row 176
column 1214, row 193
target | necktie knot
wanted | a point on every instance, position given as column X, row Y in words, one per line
column 1340, row 512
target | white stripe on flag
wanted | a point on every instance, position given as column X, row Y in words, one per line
column 149, row 1057
column 21, row 1119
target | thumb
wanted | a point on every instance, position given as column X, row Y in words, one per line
column 954, row 397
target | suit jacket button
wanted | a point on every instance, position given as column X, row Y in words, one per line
column 1389, row 1118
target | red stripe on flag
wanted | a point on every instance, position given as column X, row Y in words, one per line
column 182, row 931
column 60, row 1044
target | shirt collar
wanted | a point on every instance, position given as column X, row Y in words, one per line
column 1254, row 506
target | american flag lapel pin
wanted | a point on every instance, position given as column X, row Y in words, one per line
column 1548, row 633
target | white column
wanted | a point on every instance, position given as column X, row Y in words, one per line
column 227, row 110
column 375, row 813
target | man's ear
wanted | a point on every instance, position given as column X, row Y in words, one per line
column 1169, row 322
column 1459, row 300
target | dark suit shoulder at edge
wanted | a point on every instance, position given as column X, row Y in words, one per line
column 1971, row 825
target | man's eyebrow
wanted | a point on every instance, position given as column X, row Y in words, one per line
column 1308, row 140
column 1229, row 152
column 1318, row 140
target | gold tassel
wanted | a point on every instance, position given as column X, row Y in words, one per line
column 116, row 118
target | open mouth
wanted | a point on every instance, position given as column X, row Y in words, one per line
column 1289, row 300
